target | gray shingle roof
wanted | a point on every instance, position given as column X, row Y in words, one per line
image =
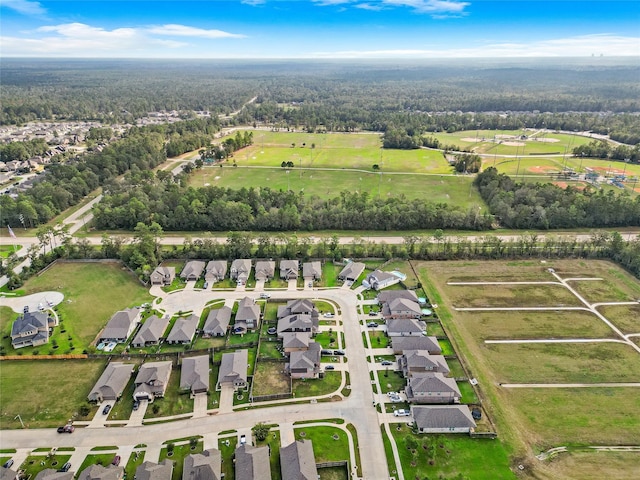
column 51, row 474
column 30, row 321
column 443, row 416
column 193, row 269
column 194, row 374
column 215, row 271
column 163, row 275
column 297, row 461
column 112, row 382
column 152, row 329
column 233, row 366
column 308, row 359
column 420, row 359
column 120, row 324
column 98, row 472
column 296, row 339
column 312, row 270
column 184, row 329
column 429, row 344
column 218, row 321
column 252, row 463
column 352, row 270
column 386, row 297
column 265, row 269
column 289, row 268
column 405, row 325
column 203, row 466
column 240, row 269
column 299, row 323
column 433, row 382
column 155, row 471
column 247, row 310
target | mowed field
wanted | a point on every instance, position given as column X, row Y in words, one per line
column 534, row 419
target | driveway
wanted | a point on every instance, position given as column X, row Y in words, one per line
column 138, row 415
column 292, row 284
column 34, row 301
column 200, row 405
column 259, row 286
column 226, row 400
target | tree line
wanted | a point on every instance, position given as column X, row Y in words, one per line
column 603, row 149
column 543, row 206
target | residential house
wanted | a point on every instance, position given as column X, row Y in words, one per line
column 419, row 361
column 247, row 315
column 154, row 471
column 298, row 323
column 216, row 271
column 152, row 380
column 8, row 474
column 295, row 341
column 386, row 297
column 252, row 463
column 112, row 382
column 301, row 306
column 265, row 270
column 289, row 269
column 121, row 326
column 405, row 327
column 443, row 419
column 217, row 322
column 163, row 275
column 378, row 280
column 98, row 472
column 312, row 271
column 184, row 329
column 351, row 271
column 297, row 461
column 151, row 331
column 192, row 270
column 432, row 388
column 240, row 270
column 402, row 344
column 194, row 374
column 233, row 370
column 401, row 308
column 31, row 329
column 305, row 363
column 203, row 466
column 51, row 474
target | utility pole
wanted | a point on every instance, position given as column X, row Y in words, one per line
column 19, row 418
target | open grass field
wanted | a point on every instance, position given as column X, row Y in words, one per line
column 480, row 296
column 330, row 444
column 530, row 420
column 62, row 401
column 606, row 290
column 450, row 456
column 590, row 465
column 625, row 317
column 329, row 183
column 93, row 292
column 506, row 325
column 268, row 379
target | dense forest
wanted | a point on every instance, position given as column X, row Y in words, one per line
column 335, row 96
column 543, row 206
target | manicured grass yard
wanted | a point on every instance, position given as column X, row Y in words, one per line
column 392, row 382
column 317, row 386
column 330, row 275
column 67, row 383
column 330, row 444
column 103, row 459
column 34, row 464
column 450, row 456
column 179, row 453
column 173, row 402
column 134, row 462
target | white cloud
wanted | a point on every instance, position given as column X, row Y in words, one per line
column 186, row 31
column 368, row 6
column 254, row 2
column 579, row 46
column 436, row 7
column 25, row 7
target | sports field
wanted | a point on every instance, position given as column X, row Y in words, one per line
column 550, row 375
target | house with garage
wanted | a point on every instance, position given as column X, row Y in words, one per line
column 443, row 419
column 184, row 329
column 112, row 382
column 203, row 466
column 295, row 341
column 233, row 370
column 406, row 327
column 216, row 271
column 31, row 329
column 401, row 308
column 151, row 332
column 192, row 270
column 377, row 280
column 265, row 270
column 252, row 463
column 300, row 306
column 297, row 461
column 351, row 271
column 247, row 315
column 154, row 471
column 289, row 269
column 402, row 344
column 305, row 363
column 432, row 388
column 9, row 474
column 194, row 374
column 240, row 270
column 217, row 322
column 98, row 472
column 51, row 474
column 121, row 326
column 416, row 362
column 163, row 276
column 298, row 323
column 152, row 380
column 312, row 271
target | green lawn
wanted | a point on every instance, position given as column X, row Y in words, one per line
column 625, row 317
column 34, row 464
column 103, row 459
column 179, row 453
column 450, row 456
column 330, row 444
column 173, row 402
column 317, row 386
column 135, row 460
column 330, row 274
column 6, row 250
column 391, row 381
column 63, row 399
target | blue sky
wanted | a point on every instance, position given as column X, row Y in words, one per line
column 318, row 28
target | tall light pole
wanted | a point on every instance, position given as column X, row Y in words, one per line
column 19, row 418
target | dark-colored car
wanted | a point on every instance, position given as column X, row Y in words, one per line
column 329, row 367
column 8, row 463
column 136, row 404
column 66, row 429
column 65, row 467
column 106, row 409
column 372, row 324
column 386, row 363
column 372, row 313
column 116, row 460
column 26, row 309
column 338, row 352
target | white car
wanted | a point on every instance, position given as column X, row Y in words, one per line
column 401, row 413
column 265, row 295
column 328, row 315
column 110, row 346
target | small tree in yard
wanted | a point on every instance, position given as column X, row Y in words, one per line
column 170, row 447
column 193, row 442
column 261, row 431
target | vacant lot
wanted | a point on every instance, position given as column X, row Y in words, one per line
column 596, row 291
column 625, row 317
column 592, row 465
column 63, row 399
column 269, row 379
column 512, row 296
column 532, row 324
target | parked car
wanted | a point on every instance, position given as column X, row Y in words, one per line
column 401, row 413
column 329, row 367
column 243, row 439
column 116, row 460
column 206, row 285
column 372, row 313
column 106, row 409
column 326, row 352
column 265, row 295
column 386, row 363
column 136, row 404
column 338, row 352
column 395, row 399
column 328, row 315
column 66, row 429
column 25, row 309
column 8, row 463
column 372, row 324
column 310, row 284
column 65, row 467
